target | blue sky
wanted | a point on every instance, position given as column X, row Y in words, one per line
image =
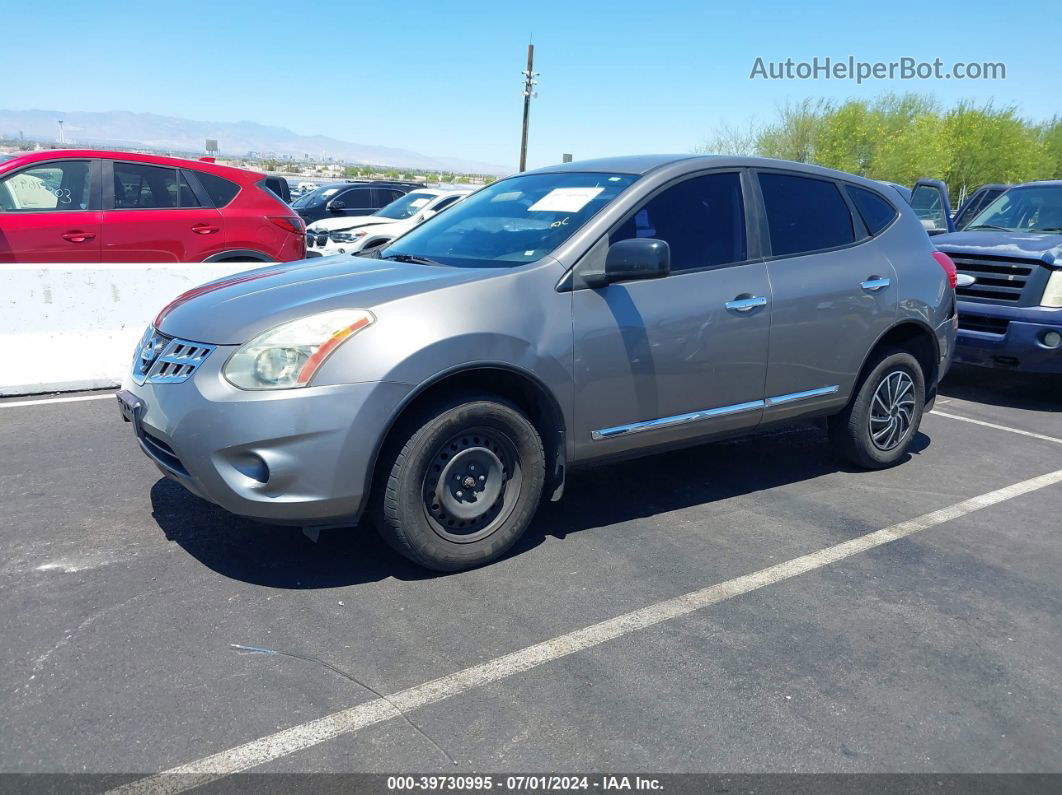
column 444, row 78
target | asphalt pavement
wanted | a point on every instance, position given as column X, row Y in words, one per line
column 125, row 601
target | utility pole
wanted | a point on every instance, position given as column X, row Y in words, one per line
column 529, row 92
column 61, row 141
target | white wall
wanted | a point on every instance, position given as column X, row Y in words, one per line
column 65, row 327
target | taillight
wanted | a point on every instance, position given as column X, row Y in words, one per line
column 289, row 223
column 944, row 261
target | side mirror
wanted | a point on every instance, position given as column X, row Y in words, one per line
column 637, row 258
column 336, row 205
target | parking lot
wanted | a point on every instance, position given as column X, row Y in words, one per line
column 748, row 638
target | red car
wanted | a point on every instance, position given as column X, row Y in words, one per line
column 79, row 205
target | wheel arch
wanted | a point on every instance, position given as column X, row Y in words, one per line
column 524, row 389
column 239, row 255
column 914, row 336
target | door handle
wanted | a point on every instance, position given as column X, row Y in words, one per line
column 746, row 304
column 77, row 236
column 204, row 229
column 874, row 283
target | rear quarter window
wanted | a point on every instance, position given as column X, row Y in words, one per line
column 804, row 214
column 873, row 209
column 220, row 190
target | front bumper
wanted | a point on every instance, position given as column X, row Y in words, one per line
column 298, row 456
column 1010, row 337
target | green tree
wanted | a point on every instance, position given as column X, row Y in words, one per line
column 990, row 144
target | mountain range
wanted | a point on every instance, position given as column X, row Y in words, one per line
column 235, row 139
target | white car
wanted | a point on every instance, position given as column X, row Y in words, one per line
column 350, row 235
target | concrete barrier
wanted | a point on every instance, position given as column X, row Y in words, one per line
column 66, row 327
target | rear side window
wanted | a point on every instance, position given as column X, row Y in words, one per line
column 220, row 190
column 804, row 214
column 186, row 195
column 141, row 187
column 702, row 220
column 874, row 210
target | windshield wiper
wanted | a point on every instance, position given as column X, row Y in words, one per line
column 989, row 226
column 1046, row 229
column 413, row 258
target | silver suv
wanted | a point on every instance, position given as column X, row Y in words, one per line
column 555, row 319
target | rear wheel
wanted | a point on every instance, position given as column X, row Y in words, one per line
column 461, row 483
column 876, row 428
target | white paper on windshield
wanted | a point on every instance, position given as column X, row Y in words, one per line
column 419, row 202
column 330, row 191
column 565, row 200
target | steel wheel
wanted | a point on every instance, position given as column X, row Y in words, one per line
column 892, row 410
column 471, row 486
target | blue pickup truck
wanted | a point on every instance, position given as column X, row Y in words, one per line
column 1009, row 259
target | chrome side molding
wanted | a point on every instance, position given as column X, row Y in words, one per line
column 707, row 414
column 809, row 393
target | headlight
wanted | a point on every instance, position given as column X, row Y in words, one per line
column 346, row 237
column 1053, row 291
column 288, row 355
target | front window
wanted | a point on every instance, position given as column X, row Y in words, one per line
column 407, row 206
column 517, row 220
column 52, row 186
column 1034, row 208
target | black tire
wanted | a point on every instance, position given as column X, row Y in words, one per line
column 861, row 433
column 491, row 464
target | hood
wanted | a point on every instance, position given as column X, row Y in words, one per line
column 232, row 310
column 1046, row 248
column 347, row 222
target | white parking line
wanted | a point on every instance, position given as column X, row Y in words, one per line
column 997, row 427
column 311, row 733
column 14, row 403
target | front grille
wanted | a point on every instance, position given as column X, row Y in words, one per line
column 998, row 279
column 167, row 360
column 983, row 323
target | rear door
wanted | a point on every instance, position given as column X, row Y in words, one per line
column 50, row 212
column 834, row 291
column 153, row 214
column 665, row 360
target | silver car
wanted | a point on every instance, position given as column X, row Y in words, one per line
column 555, row 319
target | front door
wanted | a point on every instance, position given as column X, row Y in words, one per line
column 659, row 361
column 49, row 212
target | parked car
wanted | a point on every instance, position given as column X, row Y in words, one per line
column 350, row 198
column 1009, row 259
column 103, row 206
column 351, row 235
column 555, row 319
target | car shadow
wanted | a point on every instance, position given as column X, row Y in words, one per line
column 1003, row 388
column 284, row 557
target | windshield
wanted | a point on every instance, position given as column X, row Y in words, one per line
column 517, row 220
column 407, row 206
column 1035, row 208
column 316, row 197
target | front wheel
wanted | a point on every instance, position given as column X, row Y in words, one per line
column 463, row 480
column 876, row 428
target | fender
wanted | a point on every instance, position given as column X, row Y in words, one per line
column 556, row 449
column 907, row 321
